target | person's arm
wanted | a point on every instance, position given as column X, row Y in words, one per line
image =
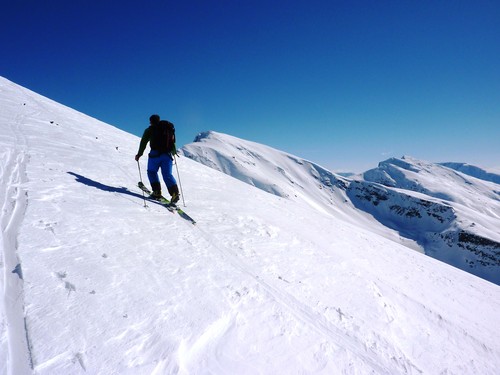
column 144, row 142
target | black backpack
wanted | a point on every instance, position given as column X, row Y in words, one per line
column 163, row 137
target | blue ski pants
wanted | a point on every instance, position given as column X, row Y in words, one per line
column 163, row 162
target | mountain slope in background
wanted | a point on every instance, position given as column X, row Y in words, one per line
column 462, row 213
column 451, row 216
column 284, row 175
column 94, row 282
column 474, row 171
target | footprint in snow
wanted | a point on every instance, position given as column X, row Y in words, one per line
column 78, row 358
column 67, row 285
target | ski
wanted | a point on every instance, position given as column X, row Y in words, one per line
column 184, row 215
column 166, row 203
column 162, row 200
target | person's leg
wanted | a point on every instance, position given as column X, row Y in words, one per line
column 153, row 166
column 174, row 193
column 168, row 177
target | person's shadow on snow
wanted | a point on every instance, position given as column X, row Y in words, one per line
column 112, row 189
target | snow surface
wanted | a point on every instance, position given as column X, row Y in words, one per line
column 94, row 282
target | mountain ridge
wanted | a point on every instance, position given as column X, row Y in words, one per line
column 453, row 217
column 474, row 171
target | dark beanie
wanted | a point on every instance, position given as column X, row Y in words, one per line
column 154, row 119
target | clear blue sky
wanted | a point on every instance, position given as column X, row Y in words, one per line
column 343, row 83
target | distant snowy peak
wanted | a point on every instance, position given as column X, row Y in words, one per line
column 435, row 180
column 474, row 171
column 208, row 135
column 269, row 169
column 468, row 236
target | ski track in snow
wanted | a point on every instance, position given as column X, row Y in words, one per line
column 15, row 200
column 308, row 316
column 336, row 336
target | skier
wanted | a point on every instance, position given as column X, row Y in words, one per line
column 161, row 138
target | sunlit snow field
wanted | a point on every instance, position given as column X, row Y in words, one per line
column 94, row 282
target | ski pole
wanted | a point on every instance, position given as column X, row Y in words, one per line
column 140, row 177
column 179, row 177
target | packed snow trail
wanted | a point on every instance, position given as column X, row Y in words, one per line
column 16, row 357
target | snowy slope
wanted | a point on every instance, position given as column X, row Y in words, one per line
column 450, row 216
column 273, row 171
column 93, row 282
column 472, row 170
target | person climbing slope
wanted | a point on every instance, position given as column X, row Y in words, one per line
column 161, row 137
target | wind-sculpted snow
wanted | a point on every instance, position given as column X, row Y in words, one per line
column 296, row 282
